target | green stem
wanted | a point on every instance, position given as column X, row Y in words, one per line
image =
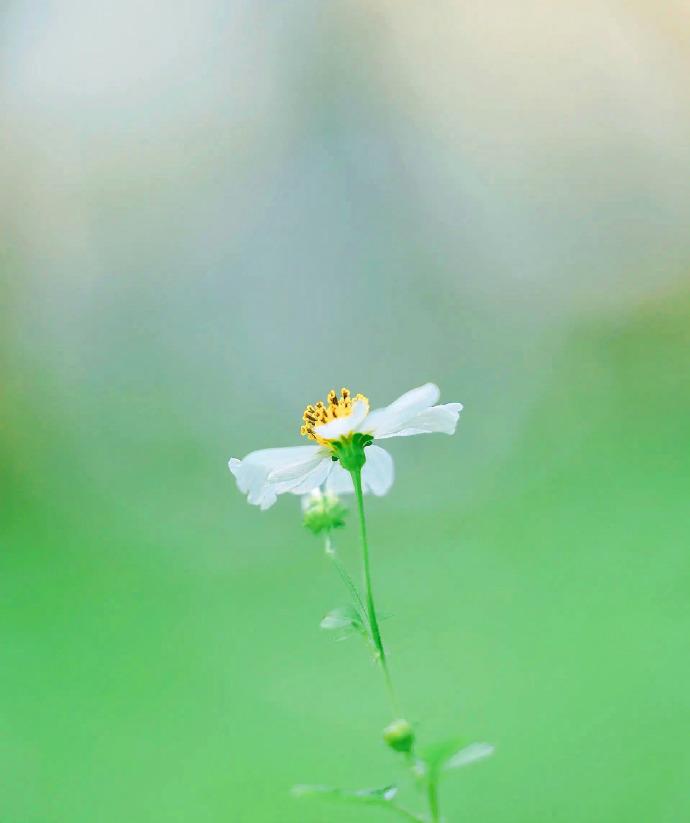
column 433, row 800
column 371, row 607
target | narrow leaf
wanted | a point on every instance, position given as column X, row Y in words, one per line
column 470, row 754
column 345, row 617
column 361, row 796
column 438, row 754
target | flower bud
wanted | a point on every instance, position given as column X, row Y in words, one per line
column 323, row 511
column 399, row 736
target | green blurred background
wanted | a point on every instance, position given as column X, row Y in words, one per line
column 215, row 212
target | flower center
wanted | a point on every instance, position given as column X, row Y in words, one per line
column 321, row 413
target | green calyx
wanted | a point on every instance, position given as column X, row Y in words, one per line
column 350, row 451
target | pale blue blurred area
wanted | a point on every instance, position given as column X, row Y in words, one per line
column 300, row 194
column 215, row 212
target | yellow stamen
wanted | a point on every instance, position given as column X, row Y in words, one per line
column 318, row 414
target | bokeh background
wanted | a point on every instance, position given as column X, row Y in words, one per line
column 213, row 212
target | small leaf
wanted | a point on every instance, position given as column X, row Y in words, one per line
column 344, row 617
column 438, row 754
column 371, row 797
column 470, row 754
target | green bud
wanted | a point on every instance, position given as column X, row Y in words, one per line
column 323, row 512
column 399, row 736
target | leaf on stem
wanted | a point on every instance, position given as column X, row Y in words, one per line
column 437, row 755
column 371, row 797
column 450, row 754
column 344, row 617
column 470, row 754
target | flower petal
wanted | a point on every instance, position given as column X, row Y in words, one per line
column 377, row 474
column 392, row 417
column 413, row 413
column 252, row 473
column 315, row 478
column 300, row 466
column 443, row 419
column 344, row 425
column 378, row 471
column 339, row 481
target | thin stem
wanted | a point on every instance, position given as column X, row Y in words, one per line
column 347, row 580
column 371, row 607
column 433, row 800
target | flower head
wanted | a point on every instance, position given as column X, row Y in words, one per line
column 336, row 408
column 334, row 426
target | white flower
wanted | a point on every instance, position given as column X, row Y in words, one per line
column 263, row 475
